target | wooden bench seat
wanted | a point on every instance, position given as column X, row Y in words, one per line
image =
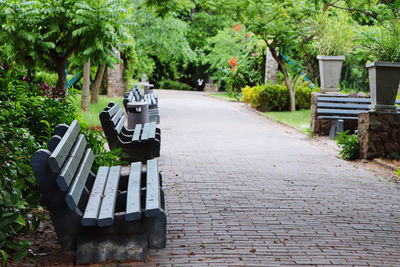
column 139, row 144
column 85, row 206
column 341, row 108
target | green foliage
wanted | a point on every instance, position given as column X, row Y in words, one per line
column 47, row 77
column 349, row 145
column 130, row 59
column 382, row 42
column 334, row 34
column 27, row 117
column 161, row 46
column 174, row 85
column 275, row 97
column 45, row 34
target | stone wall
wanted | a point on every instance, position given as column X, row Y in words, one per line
column 322, row 127
column 210, row 87
column 379, row 134
column 116, row 81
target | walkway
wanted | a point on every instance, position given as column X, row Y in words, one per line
column 241, row 191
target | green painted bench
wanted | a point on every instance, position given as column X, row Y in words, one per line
column 139, row 144
column 104, row 215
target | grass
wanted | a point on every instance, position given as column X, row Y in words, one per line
column 224, row 96
column 299, row 118
column 92, row 116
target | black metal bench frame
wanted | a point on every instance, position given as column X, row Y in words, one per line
column 139, row 144
column 105, row 207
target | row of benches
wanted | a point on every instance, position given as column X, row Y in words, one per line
column 108, row 213
column 135, row 96
column 338, row 109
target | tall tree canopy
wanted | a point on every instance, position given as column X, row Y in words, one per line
column 45, row 33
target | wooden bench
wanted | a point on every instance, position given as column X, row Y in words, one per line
column 135, row 94
column 139, row 144
column 100, row 215
column 341, row 108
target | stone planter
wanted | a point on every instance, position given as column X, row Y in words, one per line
column 384, row 78
column 329, row 72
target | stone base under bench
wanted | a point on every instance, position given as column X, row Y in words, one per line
column 379, row 134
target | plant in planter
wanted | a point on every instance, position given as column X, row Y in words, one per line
column 383, row 45
column 333, row 40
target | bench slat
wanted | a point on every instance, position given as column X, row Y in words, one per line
column 107, row 209
column 133, row 199
column 152, row 130
column 339, row 111
column 145, row 133
column 343, row 105
column 117, row 117
column 153, row 194
column 343, row 99
column 77, row 185
column 136, row 133
column 61, row 152
column 66, row 174
column 337, row 118
column 114, row 109
column 120, row 124
column 93, row 206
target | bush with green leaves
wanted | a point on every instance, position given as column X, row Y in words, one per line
column 174, row 85
column 382, row 42
column 275, row 97
column 334, row 34
column 349, row 145
column 29, row 113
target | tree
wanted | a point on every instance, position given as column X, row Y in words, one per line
column 85, row 86
column 285, row 26
column 161, row 45
column 45, row 33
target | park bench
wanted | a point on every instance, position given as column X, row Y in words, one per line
column 105, row 215
column 136, row 95
column 341, row 108
column 138, row 144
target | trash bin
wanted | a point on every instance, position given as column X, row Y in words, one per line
column 138, row 112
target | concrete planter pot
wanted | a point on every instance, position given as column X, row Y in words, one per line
column 384, row 78
column 329, row 72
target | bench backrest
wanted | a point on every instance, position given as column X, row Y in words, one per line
column 71, row 161
column 112, row 120
column 342, row 105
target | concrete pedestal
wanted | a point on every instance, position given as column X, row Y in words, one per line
column 379, row 134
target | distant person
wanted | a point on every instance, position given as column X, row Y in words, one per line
column 200, row 84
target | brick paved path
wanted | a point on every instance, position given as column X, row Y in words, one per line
column 241, row 191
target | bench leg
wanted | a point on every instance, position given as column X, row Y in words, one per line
column 336, row 126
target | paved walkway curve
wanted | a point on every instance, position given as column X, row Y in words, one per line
column 242, row 192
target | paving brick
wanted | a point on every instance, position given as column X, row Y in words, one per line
column 244, row 191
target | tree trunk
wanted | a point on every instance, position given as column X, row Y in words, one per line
column 61, row 87
column 85, row 87
column 94, row 99
column 281, row 64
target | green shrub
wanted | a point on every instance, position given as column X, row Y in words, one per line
column 349, row 145
column 174, row 85
column 275, row 97
column 28, row 115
